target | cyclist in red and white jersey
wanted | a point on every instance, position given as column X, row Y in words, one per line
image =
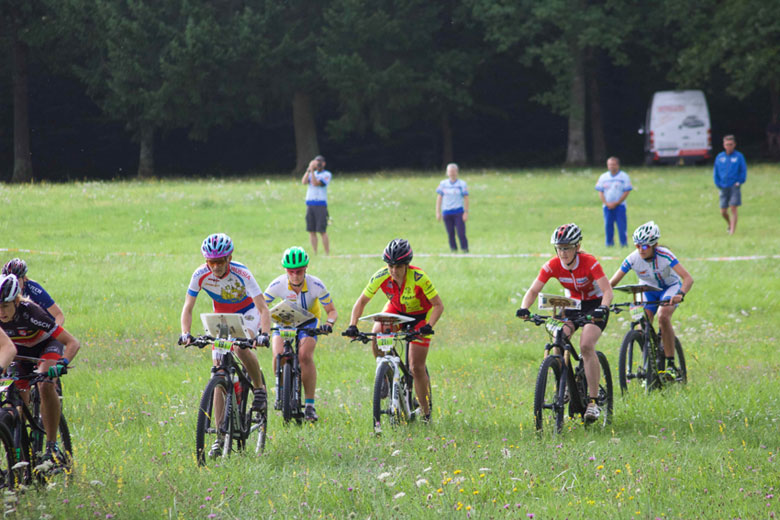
column 583, row 279
column 234, row 290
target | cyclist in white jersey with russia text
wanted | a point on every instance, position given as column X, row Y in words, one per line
column 657, row 266
column 310, row 293
column 234, row 290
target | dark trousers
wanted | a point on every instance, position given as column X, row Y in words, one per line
column 452, row 222
column 612, row 217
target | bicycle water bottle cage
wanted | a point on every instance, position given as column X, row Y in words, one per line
column 5, row 383
column 287, row 332
column 637, row 312
column 384, row 342
column 553, row 326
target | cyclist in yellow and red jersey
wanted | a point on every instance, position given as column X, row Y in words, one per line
column 410, row 293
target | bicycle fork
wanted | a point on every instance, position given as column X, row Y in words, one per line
column 395, row 384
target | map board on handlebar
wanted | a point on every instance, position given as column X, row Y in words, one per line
column 225, row 326
column 636, row 288
column 290, row 314
column 556, row 301
column 387, row 318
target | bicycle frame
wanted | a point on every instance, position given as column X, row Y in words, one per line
column 554, row 328
column 386, row 343
column 289, row 354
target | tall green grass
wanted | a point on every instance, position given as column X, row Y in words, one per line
column 118, row 256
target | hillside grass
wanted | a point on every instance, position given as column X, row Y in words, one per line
column 117, row 257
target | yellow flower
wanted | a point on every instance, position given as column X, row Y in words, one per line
column 440, row 490
column 457, row 472
column 600, row 466
column 617, row 472
column 476, row 492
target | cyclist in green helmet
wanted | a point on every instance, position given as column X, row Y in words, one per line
column 310, row 293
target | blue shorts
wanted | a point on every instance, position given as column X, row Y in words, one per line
column 731, row 196
column 662, row 295
column 311, row 324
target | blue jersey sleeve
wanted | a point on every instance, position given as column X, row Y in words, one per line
column 625, row 266
column 38, row 294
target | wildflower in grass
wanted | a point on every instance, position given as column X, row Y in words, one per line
column 591, row 458
column 456, row 472
column 530, row 515
column 440, row 490
column 399, row 495
column 65, row 501
column 600, row 466
column 476, row 492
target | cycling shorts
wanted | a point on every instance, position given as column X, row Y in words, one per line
column 662, row 295
column 51, row 349
column 311, row 324
column 419, row 321
column 587, row 307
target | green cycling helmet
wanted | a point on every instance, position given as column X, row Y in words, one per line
column 295, row 257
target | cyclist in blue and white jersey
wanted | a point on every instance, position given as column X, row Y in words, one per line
column 308, row 292
column 656, row 265
column 33, row 290
column 234, row 290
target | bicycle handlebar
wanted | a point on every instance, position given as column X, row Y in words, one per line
column 616, row 307
column 310, row 331
column 365, row 337
column 202, row 341
column 539, row 319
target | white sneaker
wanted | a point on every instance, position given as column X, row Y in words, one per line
column 592, row 413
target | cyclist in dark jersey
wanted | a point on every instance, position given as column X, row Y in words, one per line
column 33, row 290
column 35, row 334
column 583, row 279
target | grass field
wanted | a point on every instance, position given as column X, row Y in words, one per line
column 118, row 256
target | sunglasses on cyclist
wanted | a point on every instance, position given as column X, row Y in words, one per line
column 643, row 247
column 300, row 270
column 565, row 248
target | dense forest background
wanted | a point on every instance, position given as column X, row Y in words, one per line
column 125, row 88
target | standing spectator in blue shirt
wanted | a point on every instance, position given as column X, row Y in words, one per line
column 318, row 179
column 33, row 290
column 614, row 186
column 729, row 173
column 452, row 203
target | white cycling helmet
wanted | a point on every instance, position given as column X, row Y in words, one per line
column 647, row 234
column 9, row 288
column 566, row 234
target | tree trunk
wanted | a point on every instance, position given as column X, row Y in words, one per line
column 306, row 146
column 23, row 171
column 447, row 155
column 146, row 155
column 596, row 122
column 575, row 151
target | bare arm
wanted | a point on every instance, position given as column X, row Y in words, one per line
column 438, row 308
column 59, row 316
column 186, row 314
column 619, row 274
column 265, row 314
column 333, row 315
column 606, row 290
column 72, row 345
column 359, row 307
column 438, row 206
column 621, row 199
column 531, row 294
column 465, row 208
column 7, row 350
column 603, row 198
column 687, row 282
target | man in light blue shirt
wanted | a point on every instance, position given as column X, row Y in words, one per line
column 729, row 173
column 614, row 186
column 452, row 203
column 318, row 179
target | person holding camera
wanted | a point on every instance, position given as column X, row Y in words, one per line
column 318, row 179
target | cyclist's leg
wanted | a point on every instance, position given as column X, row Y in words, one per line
column 308, row 369
column 418, row 352
column 277, row 347
column 588, row 339
column 665, row 321
column 50, row 401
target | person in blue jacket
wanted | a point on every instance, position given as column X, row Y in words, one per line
column 33, row 290
column 729, row 174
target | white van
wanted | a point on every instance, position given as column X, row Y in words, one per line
column 677, row 129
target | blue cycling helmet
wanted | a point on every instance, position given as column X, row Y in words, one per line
column 218, row 245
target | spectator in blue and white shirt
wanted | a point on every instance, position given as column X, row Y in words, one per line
column 318, row 179
column 452, row 203
column 33, row 290
column 613, row 186
column 729, row 173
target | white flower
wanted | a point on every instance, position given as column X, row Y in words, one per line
column 421, row 482
column 395, row 453
column 399, row 495
column 384, row 475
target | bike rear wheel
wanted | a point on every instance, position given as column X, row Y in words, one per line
column 258, row 422
column 63, row 431
column 605, row 398
column 548, row 395
column 208, row 428
column 682, row 368
column 633, row 362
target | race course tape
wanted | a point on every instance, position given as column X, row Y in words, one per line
column 423, row 255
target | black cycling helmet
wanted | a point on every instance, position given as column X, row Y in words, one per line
column 566, row 234
column 398, row 251
column 16, row 266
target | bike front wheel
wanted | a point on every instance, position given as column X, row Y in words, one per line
column 635, row 363
column 682, row 369
column 211, row 439
column 605, row 398
column 287, row 393
column 383, row 384
column 63, row 431
column 257, row 421
column 548, row 395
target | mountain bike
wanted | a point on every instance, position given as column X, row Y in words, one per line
column 24, row 425
column 642, row 352
column 228, row 389
column 394, row 394
column 288, row 373
column 558, row 382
